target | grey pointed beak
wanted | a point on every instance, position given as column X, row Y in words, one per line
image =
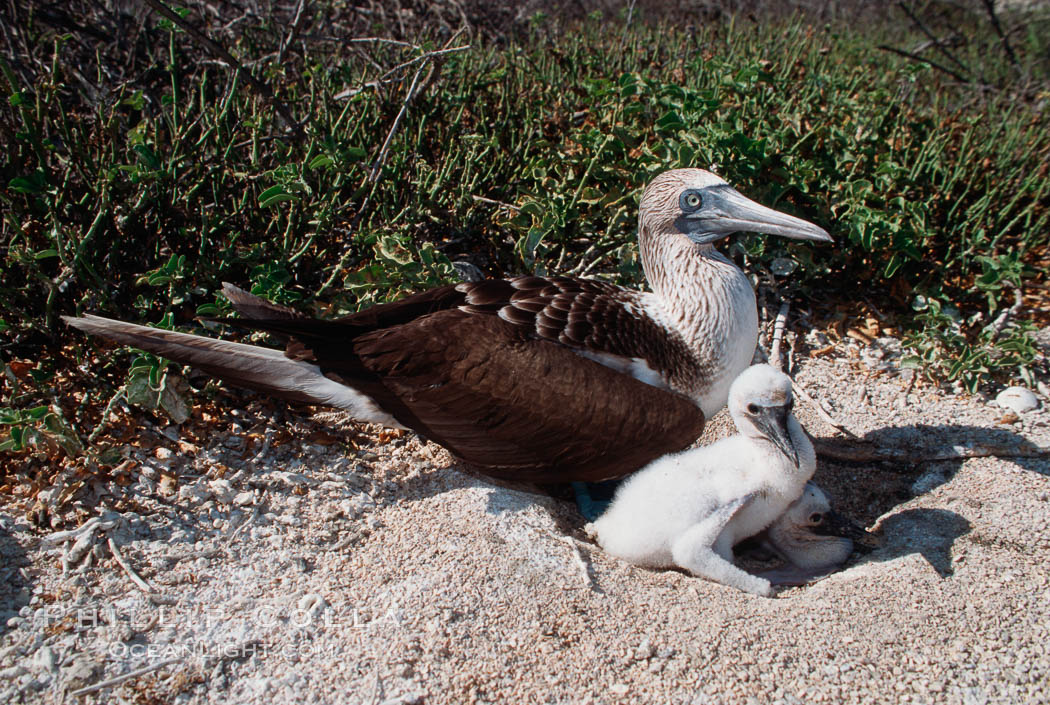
column 836, row 524
column 772, row 421
column 725, row 211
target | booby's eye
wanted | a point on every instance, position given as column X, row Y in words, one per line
column 752, row 408
column 790, row 405
column 816, row 518
column 690, row 201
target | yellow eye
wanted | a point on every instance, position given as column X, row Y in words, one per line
column 692, row 200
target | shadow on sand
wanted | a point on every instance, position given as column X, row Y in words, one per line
column 14, row 586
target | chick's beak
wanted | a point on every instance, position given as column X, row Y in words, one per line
column 835, row 524
column 772, row 421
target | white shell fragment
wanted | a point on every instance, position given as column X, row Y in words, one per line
column 1017, row 399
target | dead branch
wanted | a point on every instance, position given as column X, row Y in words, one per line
column 867, row 453
column 137, row 579
column 922, row 59
column 775, row 357
column 1000, row 323
column 934, row 41
column 580, row 563
column 214, row 47
column 990, row 7
column 287, row 40
column 110, row 682
column 828, row 419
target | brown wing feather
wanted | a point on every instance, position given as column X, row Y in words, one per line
column 521, row 408
column 487, row 370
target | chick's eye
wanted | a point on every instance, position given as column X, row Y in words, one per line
column 752, row 408
column 816, row 518
column 691, row 200
column 790, row 405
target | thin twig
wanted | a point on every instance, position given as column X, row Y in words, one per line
column 580, row 563
column 247, row 522
column 378, row 693
column 90, row 525
column 216, row 48
column 139, row 581
column 104, row 421
column 775, row 358
column 800, row 391
column 990, row 7
column 424, row 58
column 290, row 37
column 359, row 40
column 627, row 24
column 409, row 94
column 922, row 59
column 373, row 85
column 373, row 174
column 127, row 676
column 1000, row 323
column 508, row 206
column 937, row 43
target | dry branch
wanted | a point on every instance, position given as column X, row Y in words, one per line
column 828, row 419
column 867, row 453
column 214, row 47
column 126, row 677
column 922, row 59
column 775, row 358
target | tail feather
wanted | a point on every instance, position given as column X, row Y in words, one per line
column 252, row 306
column 263, row 369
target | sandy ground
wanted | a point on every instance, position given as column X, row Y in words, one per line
column 277, row 569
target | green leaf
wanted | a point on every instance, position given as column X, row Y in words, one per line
column 32, row 185
column 37, row 412
column 136, row 101
column 355, row 154
column 147, row 156
column 911, row 362
column 321, row 160
column 391, row 249
column 274, row 195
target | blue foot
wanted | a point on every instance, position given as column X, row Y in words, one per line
column 593, row 498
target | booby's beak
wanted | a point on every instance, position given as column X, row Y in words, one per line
column 772, row 421
column 835, row 524
column 724, row 210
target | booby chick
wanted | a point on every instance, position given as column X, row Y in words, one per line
column 689, row 509
column 811, row 537
column 535, row 379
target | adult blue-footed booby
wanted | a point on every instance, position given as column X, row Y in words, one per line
column 538, row 379
column 691, row 508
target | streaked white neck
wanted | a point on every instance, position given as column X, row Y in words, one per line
column 709, row 302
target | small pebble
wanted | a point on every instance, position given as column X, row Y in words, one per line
column 1017, row 399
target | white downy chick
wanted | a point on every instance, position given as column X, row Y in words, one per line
column 689, row 509
column 813, row 538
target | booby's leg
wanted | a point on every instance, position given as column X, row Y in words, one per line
column 594, row 498
column 696, row 551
